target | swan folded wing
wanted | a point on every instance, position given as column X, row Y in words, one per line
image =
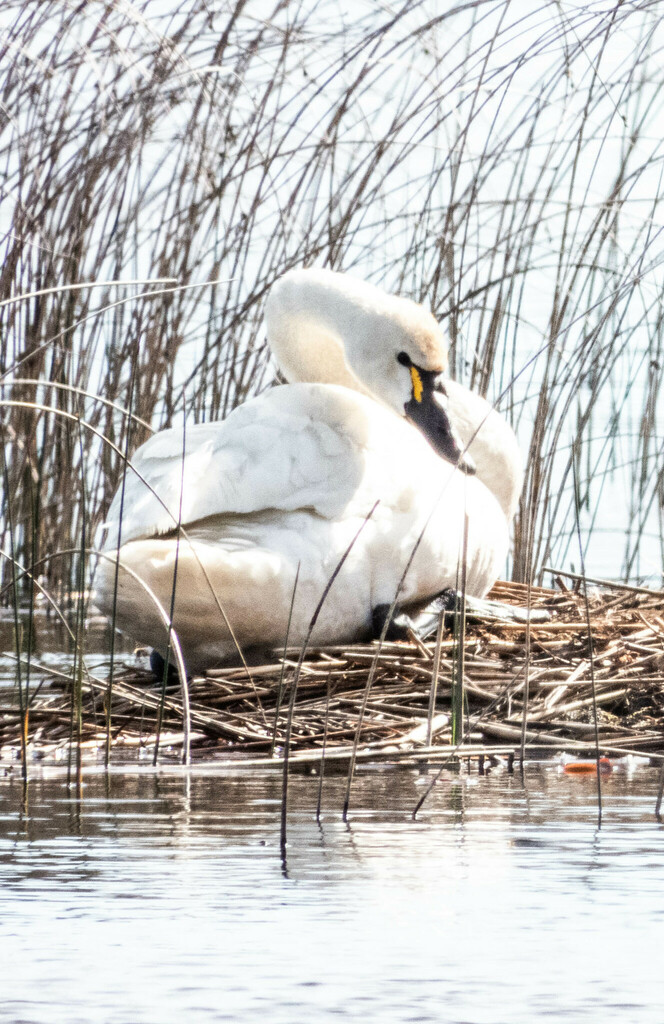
column 268, row 454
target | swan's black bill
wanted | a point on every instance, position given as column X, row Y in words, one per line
column 430, row 417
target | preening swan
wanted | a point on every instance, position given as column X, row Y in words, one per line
column 288, row 479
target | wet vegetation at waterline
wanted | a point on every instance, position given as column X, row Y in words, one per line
column 164, row 164
column 479, row 690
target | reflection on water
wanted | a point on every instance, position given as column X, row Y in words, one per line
column 52, row 647
column 162, row 897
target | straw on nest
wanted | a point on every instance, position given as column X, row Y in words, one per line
column 244, row 711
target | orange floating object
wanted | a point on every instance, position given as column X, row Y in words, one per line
column 588, row 767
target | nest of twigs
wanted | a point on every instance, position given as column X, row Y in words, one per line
column 248, row 711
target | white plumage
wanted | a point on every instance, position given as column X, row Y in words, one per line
column 289, row 478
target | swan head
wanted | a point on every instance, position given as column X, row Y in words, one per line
column 334, row 328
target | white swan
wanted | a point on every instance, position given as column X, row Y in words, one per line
column 288, row 479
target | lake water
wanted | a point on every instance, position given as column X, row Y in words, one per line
column 162, row 896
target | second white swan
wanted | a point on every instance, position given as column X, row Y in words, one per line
column 281, row 487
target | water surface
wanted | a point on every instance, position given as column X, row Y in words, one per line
column 162, row 896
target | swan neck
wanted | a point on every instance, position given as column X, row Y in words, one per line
column 313, row 323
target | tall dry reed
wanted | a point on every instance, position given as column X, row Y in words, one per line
column 500, row 162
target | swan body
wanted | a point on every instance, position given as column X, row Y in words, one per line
column 296, row 477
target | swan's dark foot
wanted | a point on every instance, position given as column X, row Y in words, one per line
column 158, row 664
column 399, row 628
column 424, row 621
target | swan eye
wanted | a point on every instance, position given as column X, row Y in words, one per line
column 404, row 359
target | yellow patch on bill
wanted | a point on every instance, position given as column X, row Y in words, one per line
column 417, row 384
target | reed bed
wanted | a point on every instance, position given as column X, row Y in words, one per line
column 240, row 714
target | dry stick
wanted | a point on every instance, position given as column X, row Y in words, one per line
column 435, row 672
column 109, row 692
column 379, row 647
column 577, row 507
column 381, row 640
column 160, row 714
column 80, row 285
column 77, row 689
column 526, row 694
column 460, row 635
column 280, row 692
column 81, row 393
column 497, row 700
column 612, row 584
column 184, row 687
column 227, row 623
column 660, row 794
column 526, row 686
column 35, row 512
column 322, row 756
column 369, row 684
column 296, row 676
column 22, row 704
